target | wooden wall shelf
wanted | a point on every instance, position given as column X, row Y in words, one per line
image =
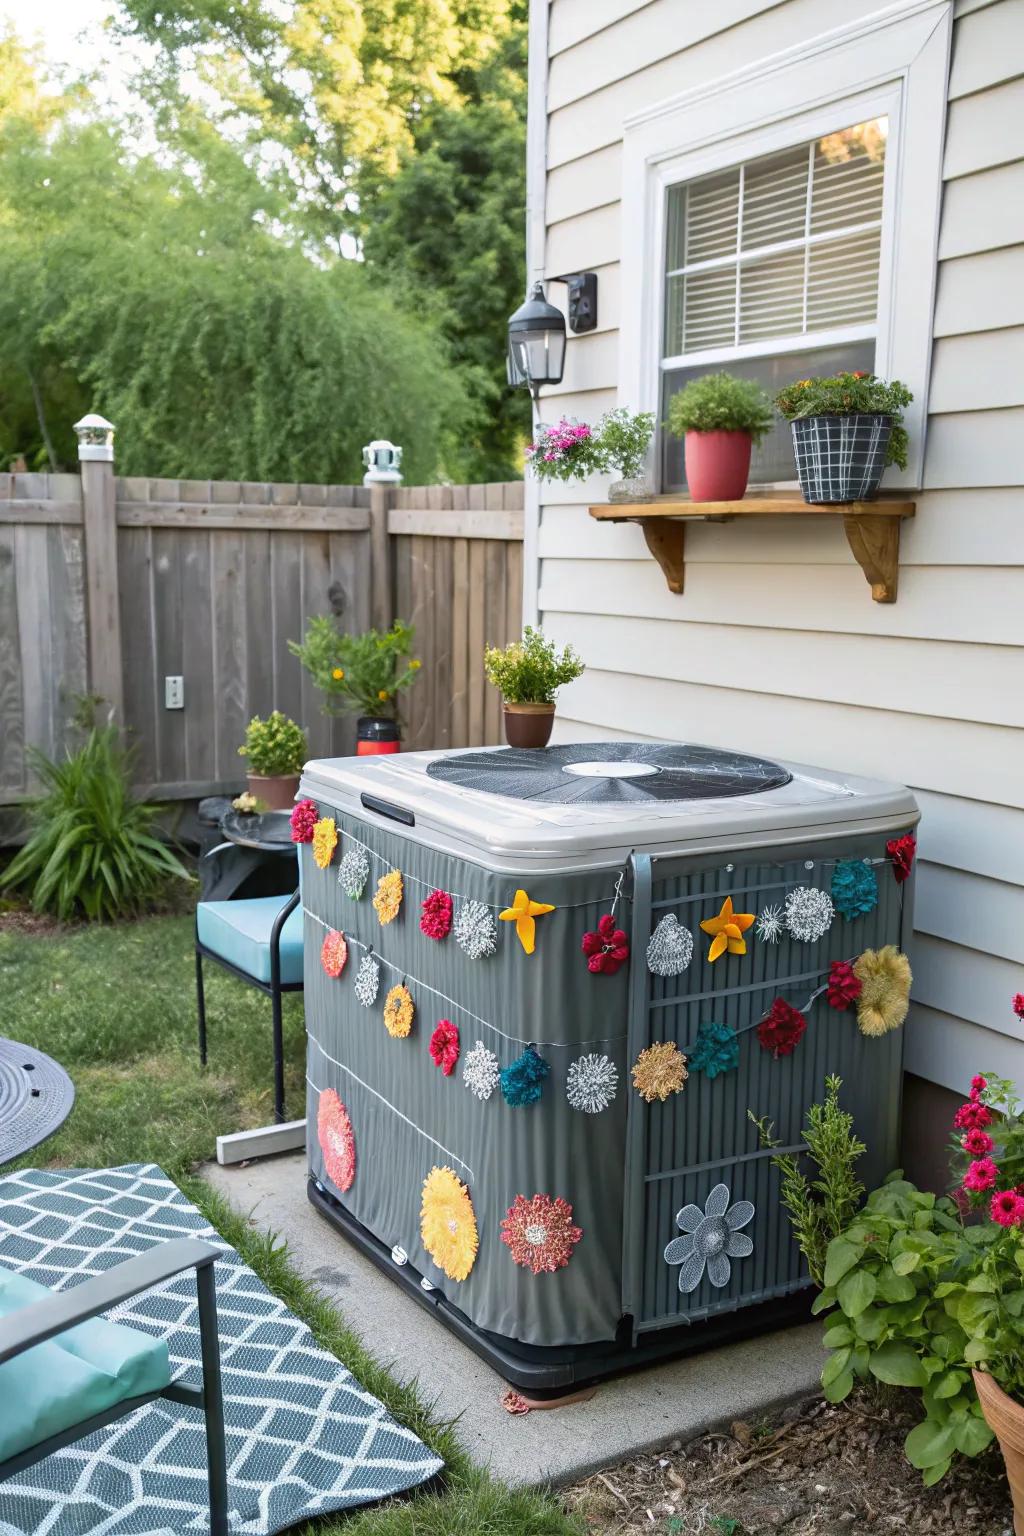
column 872, row 530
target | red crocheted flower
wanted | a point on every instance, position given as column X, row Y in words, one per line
column 539, row 1233
column 901, row 852
column 782, row 1028
column 1018, row 1005
column 844, row 987
column 304, row 818
column 972, row 1116
column 333, row 952
column 436, row 921
column 334, row 1133
column 444, row 1047
column 607, row 948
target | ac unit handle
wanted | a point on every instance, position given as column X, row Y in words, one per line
column 385, row 808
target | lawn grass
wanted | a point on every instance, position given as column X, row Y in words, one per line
column 116, row 1006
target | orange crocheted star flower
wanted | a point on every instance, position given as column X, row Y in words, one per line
column 334, row 1133
column 522, row 912
column 398, row 1011
column 728, row 929
column 389, row 896
column 325, row 840
column 659, row 1071
column 447, row 1223
column 333, row 952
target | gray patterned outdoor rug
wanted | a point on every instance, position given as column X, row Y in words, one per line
column 303, row 1437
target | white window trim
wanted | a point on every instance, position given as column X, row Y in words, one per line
column 894, row 63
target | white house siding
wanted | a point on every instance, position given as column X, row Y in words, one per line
column 775, row 645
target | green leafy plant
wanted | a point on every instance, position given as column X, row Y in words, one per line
column 362, row 673
column 624, row 439
column 274, row 746
column 90, row 850
column 850, row 394
column 718, row 402
column 530, row 670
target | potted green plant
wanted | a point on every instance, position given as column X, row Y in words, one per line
column 846, row 430
column 569, row 450
column 623, row 440
column 720, row 419
column 275, row 750
column 529, row 673
column 361, row 674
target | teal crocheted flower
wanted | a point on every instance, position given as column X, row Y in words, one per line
column 523, row 1079
column 717, row 1050
column 854, row 888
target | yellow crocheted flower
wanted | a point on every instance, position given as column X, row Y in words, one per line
column 885, row 980
column 325, row 840
column 447, row 1223
column 659, row 1071
column 398, row 1011
column 389, row 896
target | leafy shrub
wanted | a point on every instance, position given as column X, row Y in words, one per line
column 363, row 673
column 624, row 440
column 274, row 746
column 90, row 850
column 849, row 394
column 718, row 402
column 530, row 670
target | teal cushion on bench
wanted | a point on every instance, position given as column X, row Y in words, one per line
column 56, row 1385
column 239, row 931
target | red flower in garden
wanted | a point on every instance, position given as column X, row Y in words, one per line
column 978, row 1086
column 1007, row 1208
column 901, row 852
column 436, row 919
column 1018, row 1005
column 981, row 1176
column 304, row 818
column 607, row 948
column 782, row 1028
column 844, row 987
column 539, row 1233
column 444, row 1046
column 977, row 1143
column 334, row 1133
column 333, row 952
column 972, row 1116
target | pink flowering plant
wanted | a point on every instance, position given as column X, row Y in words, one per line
column 570, row 450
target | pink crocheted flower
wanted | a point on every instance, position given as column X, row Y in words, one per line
column 978, row 1086
column 333, row 952
column 334, row 1133
column 1007, row 1207
column 844, row 987
column 977, row 1143
column 972, row 1116
column 901, row 852
column 607, row 948
column 444, row 1046
column 782, row 1028
column 539, row 1233
column 436, row 919
column 304, row 818
column 981, row 1176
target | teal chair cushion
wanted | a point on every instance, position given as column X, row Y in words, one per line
column 239, row 932
column 59, row 1384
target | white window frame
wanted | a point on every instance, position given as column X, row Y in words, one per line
column 893, row 64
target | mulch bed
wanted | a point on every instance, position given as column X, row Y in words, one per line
column 813, row 1471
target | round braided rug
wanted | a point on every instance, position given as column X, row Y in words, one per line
column 36, row 1096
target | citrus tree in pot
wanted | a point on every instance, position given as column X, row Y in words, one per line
column 846, row 430
column 529, row 673
column 363, row 675
column 721, row 418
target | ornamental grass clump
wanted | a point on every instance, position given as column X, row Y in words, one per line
column 530, row 670
column 719, row 402
column 851, row 394
column 362, row 674
column 274, row 747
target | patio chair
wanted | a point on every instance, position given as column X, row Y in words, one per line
column 259, row 940
column 65, row 1371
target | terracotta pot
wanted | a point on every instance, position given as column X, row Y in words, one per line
column 528, row 725
column 1005, row 1418
column 377, row 736
column 717, row 465
column 277, row 791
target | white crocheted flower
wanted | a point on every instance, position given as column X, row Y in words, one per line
column 591, row 1083
column 367, row 981
column 671, row 947
column 353, row 873
column 480, row 1071
column 475, row 930
column 770, row 926
column 809, row 913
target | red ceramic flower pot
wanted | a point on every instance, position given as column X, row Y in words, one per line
column 717, row 465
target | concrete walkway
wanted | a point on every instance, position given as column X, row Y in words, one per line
column 643, row 1411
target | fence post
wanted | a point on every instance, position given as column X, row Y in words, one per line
column 99, row 527
column 383, row 473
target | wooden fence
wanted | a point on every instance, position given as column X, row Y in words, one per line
column 112, row 585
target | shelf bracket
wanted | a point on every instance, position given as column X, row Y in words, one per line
column 875, row 542
column 666, row 540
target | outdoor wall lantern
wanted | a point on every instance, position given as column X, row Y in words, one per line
column 536, row 344
column 95, row 439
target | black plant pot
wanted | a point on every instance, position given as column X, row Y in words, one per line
column 840, row 458
column 376, row 736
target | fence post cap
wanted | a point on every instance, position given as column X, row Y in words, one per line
column 95, row 438
column 383, row 462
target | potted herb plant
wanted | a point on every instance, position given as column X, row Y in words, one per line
column 624, row 439
column 720, row 419
column 362, row 674
column 846, row 430
column 529, row 673
column 275, row 750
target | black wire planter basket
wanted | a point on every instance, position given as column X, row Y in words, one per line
column 840, row 458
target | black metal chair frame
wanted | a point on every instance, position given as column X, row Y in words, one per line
column 51, row 1315
column 272, row 988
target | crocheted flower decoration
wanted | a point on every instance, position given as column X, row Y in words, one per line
column 770, row 926
column 333, row 952
column 854, row 888
column 389, row 896
column 606, row 949
column 480, row 1071
column 844, row 987
column 728, row 929
column 522, row 1080
column 353, row 872
column 324, row 840
column 781, row 1029
column 670, row 949
column 334, row 1133
column 436, row 915
column 590, row 1083
column 885, row 980
column 367, row 981
column 444, row 1046
column 524, row 912
column 809, row 913
column 659, row 1070
column 901, row 852
column 398, row 1011
column 303, row 819
column 539, row 1233
column 711, row 1238
column 717, row 1049
column 447, row 1223
column 475, row 931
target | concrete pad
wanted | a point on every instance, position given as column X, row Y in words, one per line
column 642, row 1411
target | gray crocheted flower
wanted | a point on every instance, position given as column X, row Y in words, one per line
column 711, row 1238
column 670, row 949
column 367, row 981
column 809, row 913
column 474, row 930
column 353, row 873
column 591, row 1083
column 480, row 1071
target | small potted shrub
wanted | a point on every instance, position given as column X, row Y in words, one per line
column 361, row 674
column 529, row 673
column 846, row 430
column 720, row 418
column 275, row 750
column 624, row 439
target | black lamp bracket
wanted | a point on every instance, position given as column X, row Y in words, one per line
column 582, row 288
